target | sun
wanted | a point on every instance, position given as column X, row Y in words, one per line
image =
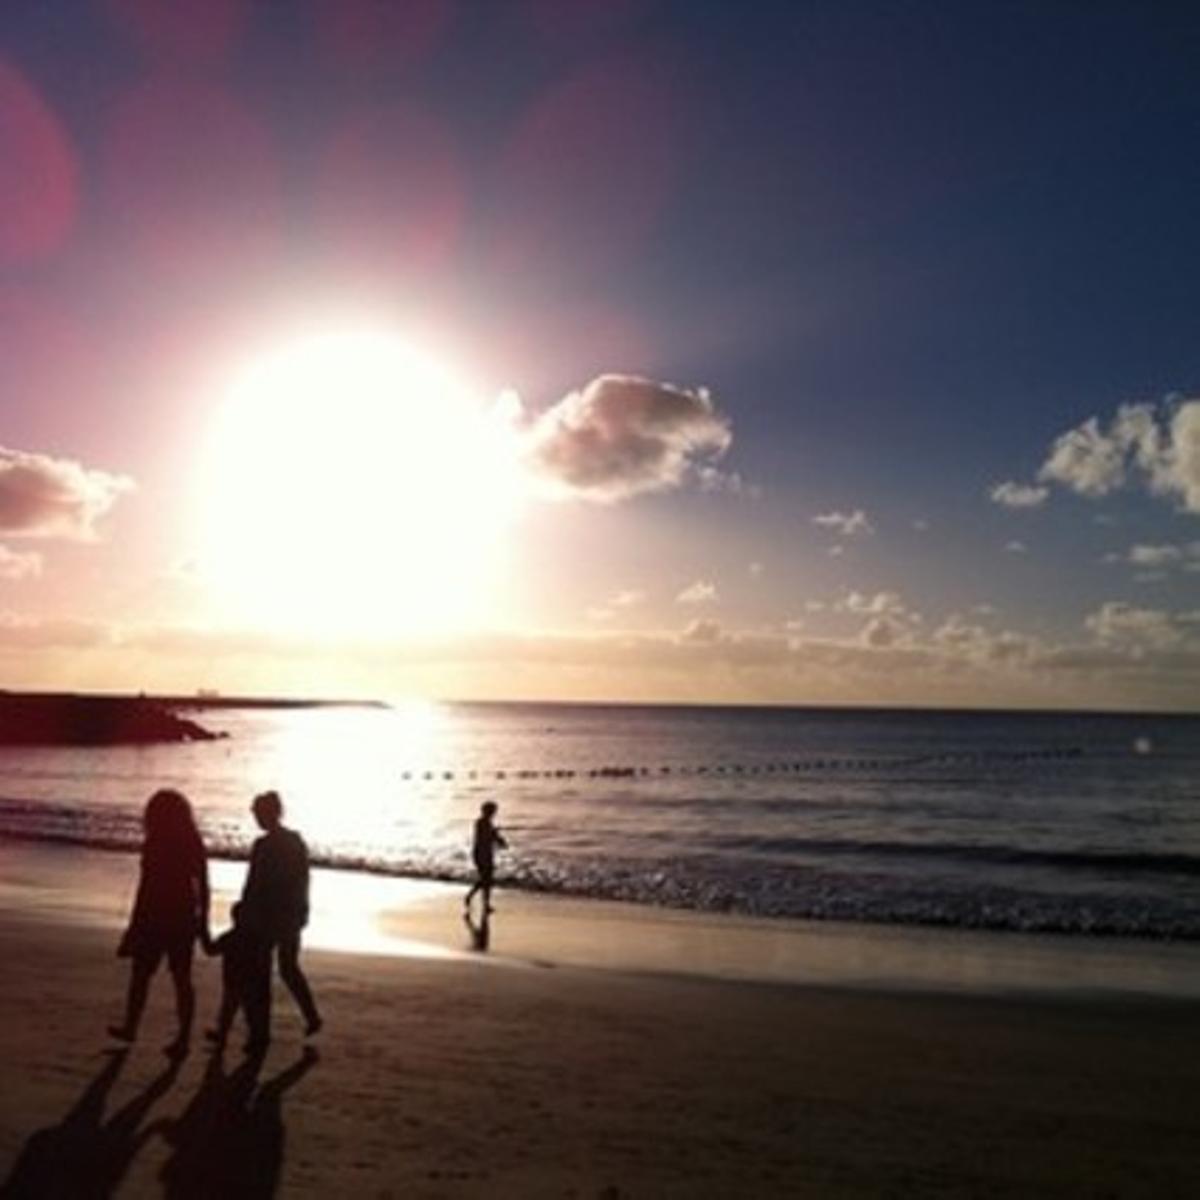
column 350, row 485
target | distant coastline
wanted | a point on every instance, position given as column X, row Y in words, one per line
column 85, row 719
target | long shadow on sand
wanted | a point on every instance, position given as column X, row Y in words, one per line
column 85, row 1155
column 229, row 1141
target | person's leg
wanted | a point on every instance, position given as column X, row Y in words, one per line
column 180, row 962
column 256, row 997
column 141, row 971
column 231, row 1001
column 293, row 978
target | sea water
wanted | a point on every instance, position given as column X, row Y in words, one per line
column 1066, row 822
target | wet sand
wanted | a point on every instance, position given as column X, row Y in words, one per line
column 443, row 1072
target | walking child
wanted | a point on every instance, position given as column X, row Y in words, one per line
column 245, row 976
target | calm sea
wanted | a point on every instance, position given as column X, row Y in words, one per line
column 1075, row 823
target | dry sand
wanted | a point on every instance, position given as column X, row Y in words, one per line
column 462, row 1075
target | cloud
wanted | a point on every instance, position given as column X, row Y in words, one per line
column 1117, row 623
column 34, row 633
column 16, row 565
column 1015, row 547
column 1019, row 495
column 880, row 632
column 847, row 524
column 621, row 436
column 42, row 496
column 756, row 569
column 874, row 605
column 700, row 592
column 704, row 631
column 1157, row 446
column 627, row 598
column 1154, row 556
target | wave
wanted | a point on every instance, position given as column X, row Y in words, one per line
column 1124, row 861
column 710, row 885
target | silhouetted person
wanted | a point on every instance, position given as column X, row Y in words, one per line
column 84, row 1155
column 486, row 841
column 245, row 963
column 275, row 906
column 170, row 911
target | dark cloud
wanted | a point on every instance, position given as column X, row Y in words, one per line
column 53, row 497
column 621, row 436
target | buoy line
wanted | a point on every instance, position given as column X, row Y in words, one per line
column 797, row 767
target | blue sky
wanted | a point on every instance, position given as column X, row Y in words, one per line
column 875, row 258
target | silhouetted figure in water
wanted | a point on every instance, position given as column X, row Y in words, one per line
column 169, row 912
column 229, row 1141
column 275, row 909
column 480, row 931
column 245, row 965
column 84, row 1155
column 483, row 852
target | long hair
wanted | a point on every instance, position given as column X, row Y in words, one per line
column 170, row 826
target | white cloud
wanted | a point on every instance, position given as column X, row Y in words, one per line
column 1154, row 556
column 1156, row 445
column 621, row 436
column 847, row 524
column 837, row 551
column 1118, row 623
column 1015, row 547
column 873, row 605
column 16, row 565
column 628, row 598
column 42, row 496
column 1019, row 495
column 700, row 592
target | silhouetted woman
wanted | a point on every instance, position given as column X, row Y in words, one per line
column 169, row 912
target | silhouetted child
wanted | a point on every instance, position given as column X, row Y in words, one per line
column 245, row 979
column 483, row 851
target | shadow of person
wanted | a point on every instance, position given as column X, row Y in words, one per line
column 229, row 1141
column 480, row 929
column 84, row 1155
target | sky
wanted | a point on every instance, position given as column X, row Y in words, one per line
column 620, row 350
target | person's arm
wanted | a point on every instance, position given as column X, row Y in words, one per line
column 203, row 899
column 498, row 838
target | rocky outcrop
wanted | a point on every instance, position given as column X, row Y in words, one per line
column 71, row 720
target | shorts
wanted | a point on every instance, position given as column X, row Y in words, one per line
column 148, row 947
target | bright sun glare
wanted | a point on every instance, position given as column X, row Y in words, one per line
column 352, row 486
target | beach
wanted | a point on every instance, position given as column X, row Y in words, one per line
column 443, row 1071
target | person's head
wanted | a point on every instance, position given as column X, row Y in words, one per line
column 267, row 809
column 235, row 912
column 168, row 818
column 488, row 809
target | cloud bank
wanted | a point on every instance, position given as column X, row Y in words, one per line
column 42, row 496
column 1156, row 446
column 621, row 436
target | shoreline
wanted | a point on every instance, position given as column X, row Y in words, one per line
column 363, row 913
column 446, row 1073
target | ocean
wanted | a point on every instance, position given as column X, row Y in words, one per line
column 1073, row 823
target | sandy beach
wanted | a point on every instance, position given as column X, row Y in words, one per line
column 444, row 1072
